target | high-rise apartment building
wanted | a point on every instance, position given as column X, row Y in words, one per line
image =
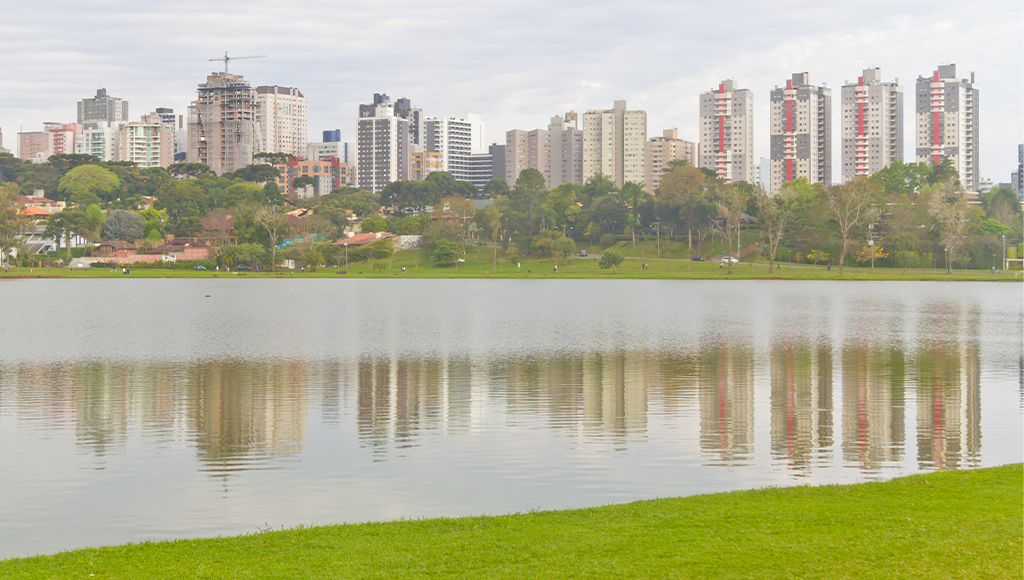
column 60, row 138
column 457, row 138
column 99, row 141
column 614, row 144
column 147, row 143
column 727, row 132
column 947, row 122
column 223, row 131
column 872, row 124
column 382, row 145
column 102, row 109
column 566, row 165
column 801, row 132
column 556, row 152
column 422, row 164
column 32, row 146
column 661, row 151
column 283, row 119
column 497, row 161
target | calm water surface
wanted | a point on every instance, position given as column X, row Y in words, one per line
column 151, row 409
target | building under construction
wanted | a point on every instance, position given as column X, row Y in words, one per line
column 223, row 131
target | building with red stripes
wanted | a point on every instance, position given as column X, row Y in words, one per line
column 727, row 132
column 801, row 132
column 872, row 124
column 947, row 122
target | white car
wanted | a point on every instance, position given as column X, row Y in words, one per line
column 727, row 259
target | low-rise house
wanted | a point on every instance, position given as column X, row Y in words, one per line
column 357, row 240
column 115, row 249
column 183, row 249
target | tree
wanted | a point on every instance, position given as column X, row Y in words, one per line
column 302, row 182
column 611, row 259
column 256, row 173
column 598, row 186
column 375, row 223
column 592, row 231
column 274, row 158
column 124, row 225
column 445, row 253
column 732, row 201
column 89, row 184
column 272, row 219
column 488, row 220
column 684, row 196
column 496, row 188
column 64, row 162
column 188, row 170
column 775, row 213
column 12, row 225
column 947, row 205
column 853, row 204
column 903, row 178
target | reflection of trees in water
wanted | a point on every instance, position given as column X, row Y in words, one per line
column 874, row 403
column 726, row 386
column 802, row 420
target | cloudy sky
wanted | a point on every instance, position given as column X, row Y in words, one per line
column 516, row 63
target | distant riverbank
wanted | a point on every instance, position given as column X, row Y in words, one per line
column 949, row 524
column 545, row 270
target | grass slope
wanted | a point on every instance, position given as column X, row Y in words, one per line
column 955, row 524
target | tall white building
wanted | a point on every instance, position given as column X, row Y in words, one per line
column 147, row 143
column 801, row 132
column 727, row 132
column 872, row 124
column 100, row 141
column 283, row 117
column 457, row 139
column 382, row 146
column 947, row 122
column 615, row 144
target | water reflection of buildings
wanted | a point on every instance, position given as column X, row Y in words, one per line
column 802, row 419
column 873, row 406
column 238, row 414
column 726, row 387
column 949, row 407
column 600, row 393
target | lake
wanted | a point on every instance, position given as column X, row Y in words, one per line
column 155, row 409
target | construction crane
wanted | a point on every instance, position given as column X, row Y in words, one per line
column 227, row 58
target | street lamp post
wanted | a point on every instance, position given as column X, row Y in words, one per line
column 346, row 256
column 1004, row 253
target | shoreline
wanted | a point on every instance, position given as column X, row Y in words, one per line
column 939, row 524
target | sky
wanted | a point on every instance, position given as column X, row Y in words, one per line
column 516, row 63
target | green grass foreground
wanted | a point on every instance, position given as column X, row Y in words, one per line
column 952, row 524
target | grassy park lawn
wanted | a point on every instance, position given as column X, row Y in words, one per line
column 951, row 524
column 479, row 264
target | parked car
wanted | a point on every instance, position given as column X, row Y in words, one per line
column 697, row 259
column 198, row 267
column 583, row 253
column 727, row 259
column 243, row 267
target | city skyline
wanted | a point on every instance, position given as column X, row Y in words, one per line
column 514, row 66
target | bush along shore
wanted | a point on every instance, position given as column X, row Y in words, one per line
column 949, row 524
